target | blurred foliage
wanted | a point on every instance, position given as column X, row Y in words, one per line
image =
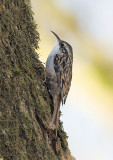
column 104, row 71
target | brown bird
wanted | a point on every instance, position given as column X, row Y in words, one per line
column 59, row 65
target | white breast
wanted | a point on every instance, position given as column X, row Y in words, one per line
column 50, row 59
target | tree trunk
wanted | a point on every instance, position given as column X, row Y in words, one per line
column 25, row 104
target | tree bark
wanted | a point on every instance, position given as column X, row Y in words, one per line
column 25, row 104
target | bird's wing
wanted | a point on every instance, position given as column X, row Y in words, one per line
column 63, row 68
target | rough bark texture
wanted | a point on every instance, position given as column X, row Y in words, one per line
column 25, row 104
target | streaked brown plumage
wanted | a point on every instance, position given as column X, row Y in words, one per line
column 59, row 65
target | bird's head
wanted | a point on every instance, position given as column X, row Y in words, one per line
column 62, row 45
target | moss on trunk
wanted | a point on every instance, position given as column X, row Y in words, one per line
column 26, row 105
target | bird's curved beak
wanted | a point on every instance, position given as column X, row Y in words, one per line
column 56, row 36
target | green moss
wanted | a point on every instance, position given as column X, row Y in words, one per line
column 63, row 137
column 24, row 157
column 17, row 72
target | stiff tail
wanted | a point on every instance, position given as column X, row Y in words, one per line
column 55, row 119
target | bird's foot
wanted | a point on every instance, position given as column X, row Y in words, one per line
column 52, row 126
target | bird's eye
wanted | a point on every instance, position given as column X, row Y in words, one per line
column 62, row 45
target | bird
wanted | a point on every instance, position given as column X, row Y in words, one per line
column 59, row 76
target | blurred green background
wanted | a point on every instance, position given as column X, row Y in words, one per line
column 88, row 114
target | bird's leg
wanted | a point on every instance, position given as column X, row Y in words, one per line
column 45, row 68
column 46, row 71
